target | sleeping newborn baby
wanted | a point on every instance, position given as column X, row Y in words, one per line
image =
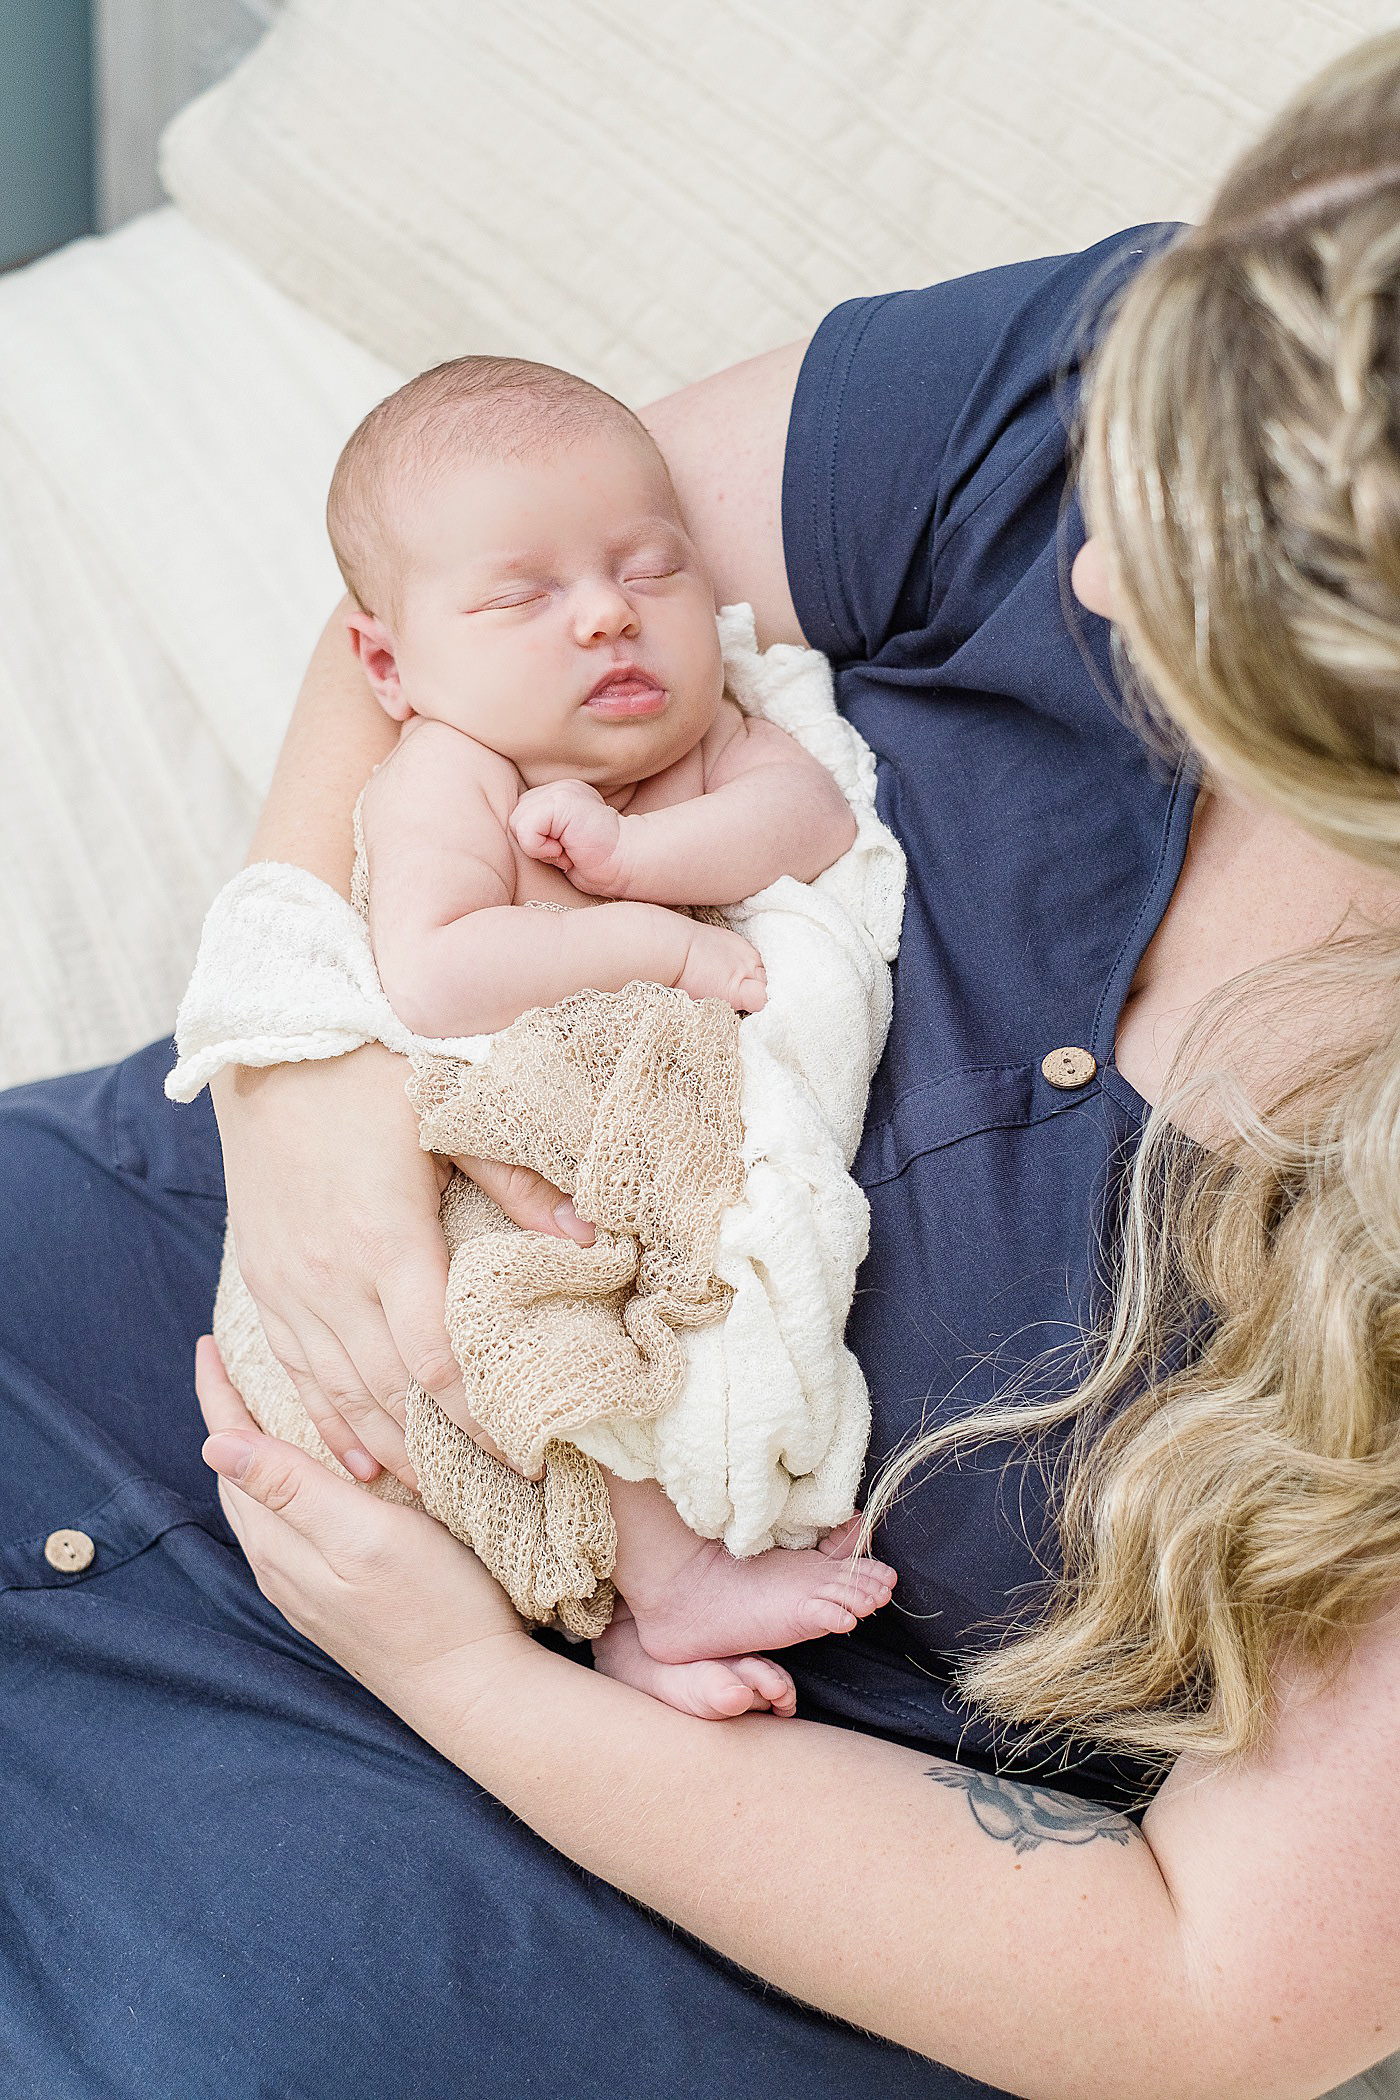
column 529, row 608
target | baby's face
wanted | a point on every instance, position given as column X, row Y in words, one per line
column 555, row 610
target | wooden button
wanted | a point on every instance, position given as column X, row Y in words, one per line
column 69, row 1551
column 1069, row 1068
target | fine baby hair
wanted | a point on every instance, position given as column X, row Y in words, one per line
column 473, row 408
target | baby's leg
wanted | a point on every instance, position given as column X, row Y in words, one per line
column 692, row 1601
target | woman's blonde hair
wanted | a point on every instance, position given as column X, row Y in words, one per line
column 1232, row 1484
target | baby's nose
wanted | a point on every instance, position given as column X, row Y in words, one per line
column 608, row 613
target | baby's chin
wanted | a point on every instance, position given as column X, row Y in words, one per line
column 626, row 747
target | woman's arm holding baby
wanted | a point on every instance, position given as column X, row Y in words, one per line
column 769, row 809
column 338, row 734
column 1241, row 1947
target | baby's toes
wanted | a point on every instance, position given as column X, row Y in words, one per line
column 863, row 1584
column 769, row 1680
column 712, row 1691
column 854, row 1596
column 872, row 1579
column 826, row 1613
column 839, row 1544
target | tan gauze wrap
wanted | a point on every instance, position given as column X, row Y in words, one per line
column 629, row 1101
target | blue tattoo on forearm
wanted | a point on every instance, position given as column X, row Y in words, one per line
column 1025, row 1816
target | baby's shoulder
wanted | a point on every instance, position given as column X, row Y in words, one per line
column 439, row 793
column 434, row 763
column 735, row 741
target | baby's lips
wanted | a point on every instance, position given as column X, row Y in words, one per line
column 627, row 694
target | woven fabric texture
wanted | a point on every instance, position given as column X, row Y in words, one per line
column 549, row 1543
column 630, row 1101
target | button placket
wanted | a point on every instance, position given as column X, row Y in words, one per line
column 107, row 1534
column 69, row 1551
column 1068, row 1068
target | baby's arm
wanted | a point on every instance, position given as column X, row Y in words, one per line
column 456, row 956
column 768, row 809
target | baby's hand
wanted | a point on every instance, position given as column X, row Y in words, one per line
column 723, row 965
column 568, row 825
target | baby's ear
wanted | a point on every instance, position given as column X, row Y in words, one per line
column 378, row 654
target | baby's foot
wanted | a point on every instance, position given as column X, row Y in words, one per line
column 713, row 1691
column 715, row 1605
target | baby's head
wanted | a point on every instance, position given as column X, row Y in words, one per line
column 519, row 569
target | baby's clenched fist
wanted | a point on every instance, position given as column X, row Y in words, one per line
column 569, row 826
column 723, row 965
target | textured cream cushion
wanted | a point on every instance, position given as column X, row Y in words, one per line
column 645, row 190
column 168, row 423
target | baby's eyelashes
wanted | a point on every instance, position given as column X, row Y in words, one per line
column 513, row 603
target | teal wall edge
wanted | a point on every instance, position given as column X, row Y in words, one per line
column 46, row 145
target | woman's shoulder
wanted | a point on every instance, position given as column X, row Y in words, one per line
column 912, row 407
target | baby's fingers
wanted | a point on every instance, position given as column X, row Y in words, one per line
column 540, row 845
column 535, row 823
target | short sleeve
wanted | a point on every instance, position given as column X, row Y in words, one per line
column 911, row 409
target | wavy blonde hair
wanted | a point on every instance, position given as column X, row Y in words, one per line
column 1232, row 1486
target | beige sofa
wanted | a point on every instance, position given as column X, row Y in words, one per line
column 641, row 189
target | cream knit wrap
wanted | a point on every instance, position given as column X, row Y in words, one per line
column 699, row 1340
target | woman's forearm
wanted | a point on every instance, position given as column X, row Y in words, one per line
column 855, row 1875
column 338, row 734
column 1241, row 1948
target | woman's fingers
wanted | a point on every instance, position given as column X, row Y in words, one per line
column 282, row 1479
column 362, row 1435
column 528, row 1200
column 336, row 1378
column 328, row 1186
column 219, row 1399
column 234, row 1437
column 413, row 1295
column 382, row 1588
column 334, row 1206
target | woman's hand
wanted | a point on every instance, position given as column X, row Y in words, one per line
column 334, row 1207
column 386, row 1590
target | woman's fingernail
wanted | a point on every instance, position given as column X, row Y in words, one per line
column 571, row 1224
column 361, row 1465
column 229, row 1455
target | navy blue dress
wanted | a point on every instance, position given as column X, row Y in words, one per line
column 228, row 1871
